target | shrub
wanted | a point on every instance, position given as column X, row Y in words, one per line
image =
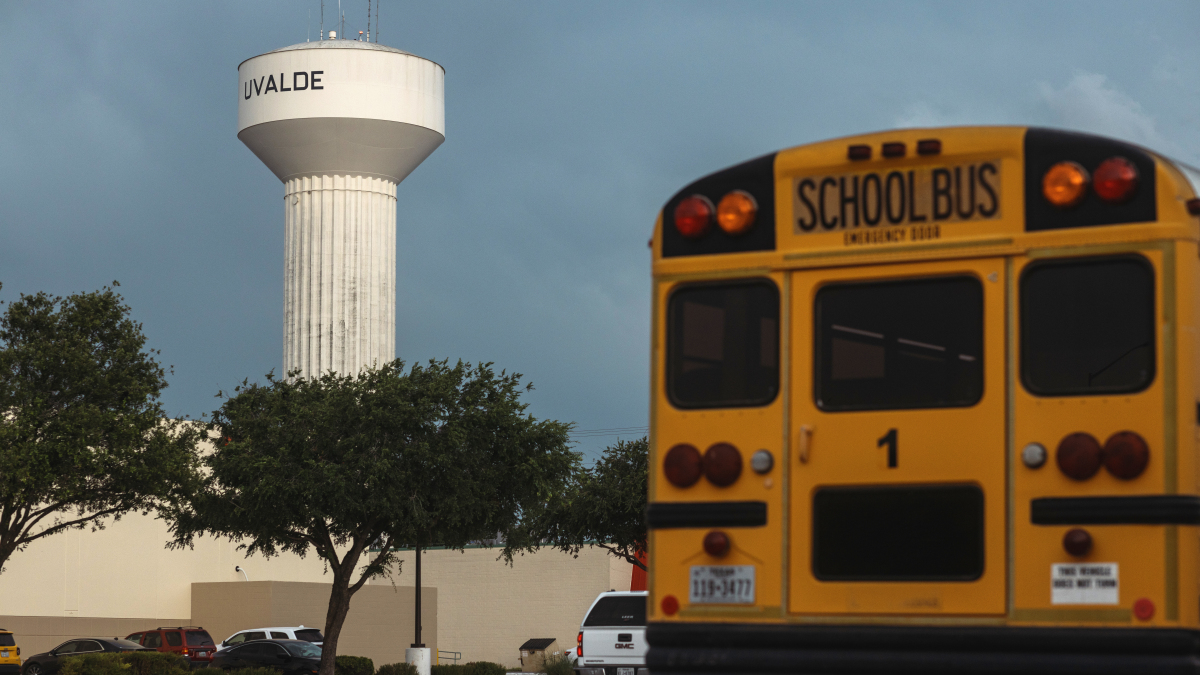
column 94, row 664
column 155, row 663
column 472, row 668
column 125, row 663
column 558, row 664
column 353, row 665
column 398, row 669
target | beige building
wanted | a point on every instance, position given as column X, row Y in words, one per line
column 122, row 579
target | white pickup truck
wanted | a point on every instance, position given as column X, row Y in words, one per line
column 612, row 639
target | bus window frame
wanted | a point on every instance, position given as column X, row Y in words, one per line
column 817, row 365
column 668, row 352
column 1155, row 335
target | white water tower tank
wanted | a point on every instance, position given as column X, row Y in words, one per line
column 340, row 122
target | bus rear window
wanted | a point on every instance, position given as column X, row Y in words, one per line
column 723, row 345
column 1087, row 326
column 904, row 344
column 618, row 610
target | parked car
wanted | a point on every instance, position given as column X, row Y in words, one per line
column 49, row 662
column 191, row 642
column 278, row 633
column 292, row 657
column 612, row 639
column 10, row 653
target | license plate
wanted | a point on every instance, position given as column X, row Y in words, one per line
column 4, row 655
column 625, row 671
column 722, row 584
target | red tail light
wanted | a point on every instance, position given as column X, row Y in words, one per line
column 682, row 465
column 670, row 605
column 1115, row 180
column 693, row 216
column 1077, row 542
column 894, row 149
column 579, row 640
column 1126, row 455
column 716, row 544
column 1079, row 456
column 858, row 152
column 722, row 464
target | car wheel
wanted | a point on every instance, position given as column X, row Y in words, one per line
column 33, row 669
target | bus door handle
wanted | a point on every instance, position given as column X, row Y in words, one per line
column 805, row 442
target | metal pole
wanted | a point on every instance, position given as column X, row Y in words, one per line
column 417, row 622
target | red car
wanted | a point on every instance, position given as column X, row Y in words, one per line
column 191, row 642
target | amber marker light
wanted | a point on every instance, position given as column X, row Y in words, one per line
column 1115, row 180
column 1126, row 455
column 736, row 212
column 929, row 146
column 857, row 153
column 722, row 464
column 693, row 215
column 893, row 150
column 1079, row 456
column 683, row 465
column 1065, row 184
column 716, row 544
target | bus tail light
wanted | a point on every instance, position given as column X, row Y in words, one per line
column 693, row 215
column 1143, row 609
column 1077, row 542
column 683, row 465
column 1115, row 180
column 736, row 212
column 1079, row 456
column 1065, row 184
column 722, row 464
column 716, row 544
column 1126, row 455
column 670, row 605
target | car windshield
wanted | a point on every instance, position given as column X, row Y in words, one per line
column 310, row 635
column 303, row 650
column 199, row 638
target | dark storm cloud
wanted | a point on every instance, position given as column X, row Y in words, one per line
column 522, row 240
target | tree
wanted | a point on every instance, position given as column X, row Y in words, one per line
column 341, row 465
column 605, row 506
column 83, row 438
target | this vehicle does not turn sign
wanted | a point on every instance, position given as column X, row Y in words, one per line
column 1084, row 584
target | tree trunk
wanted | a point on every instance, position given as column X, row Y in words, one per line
column 339, row 606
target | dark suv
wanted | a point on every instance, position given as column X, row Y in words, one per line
column 191, row 642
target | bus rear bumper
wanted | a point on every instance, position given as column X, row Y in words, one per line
column 710, row 648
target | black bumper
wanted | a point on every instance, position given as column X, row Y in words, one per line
column 866, row 650
column 9, row 669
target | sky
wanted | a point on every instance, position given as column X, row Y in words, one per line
column 522, row 239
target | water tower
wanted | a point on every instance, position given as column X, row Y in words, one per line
column 341, row 123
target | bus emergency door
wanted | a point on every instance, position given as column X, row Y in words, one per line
column 897, row 463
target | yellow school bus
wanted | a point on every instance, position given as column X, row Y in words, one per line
column 926, row 401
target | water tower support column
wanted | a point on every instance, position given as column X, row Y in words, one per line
column 339, row 290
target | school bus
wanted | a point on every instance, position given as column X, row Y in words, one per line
column 926, row 401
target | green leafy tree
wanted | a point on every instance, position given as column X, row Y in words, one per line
column 605, row 506
column 341, row 464
column 83, row 438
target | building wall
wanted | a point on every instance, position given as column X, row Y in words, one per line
column 122, row 579
column 487, row 609
column 378, row 626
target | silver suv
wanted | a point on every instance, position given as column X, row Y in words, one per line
column 612, row 639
